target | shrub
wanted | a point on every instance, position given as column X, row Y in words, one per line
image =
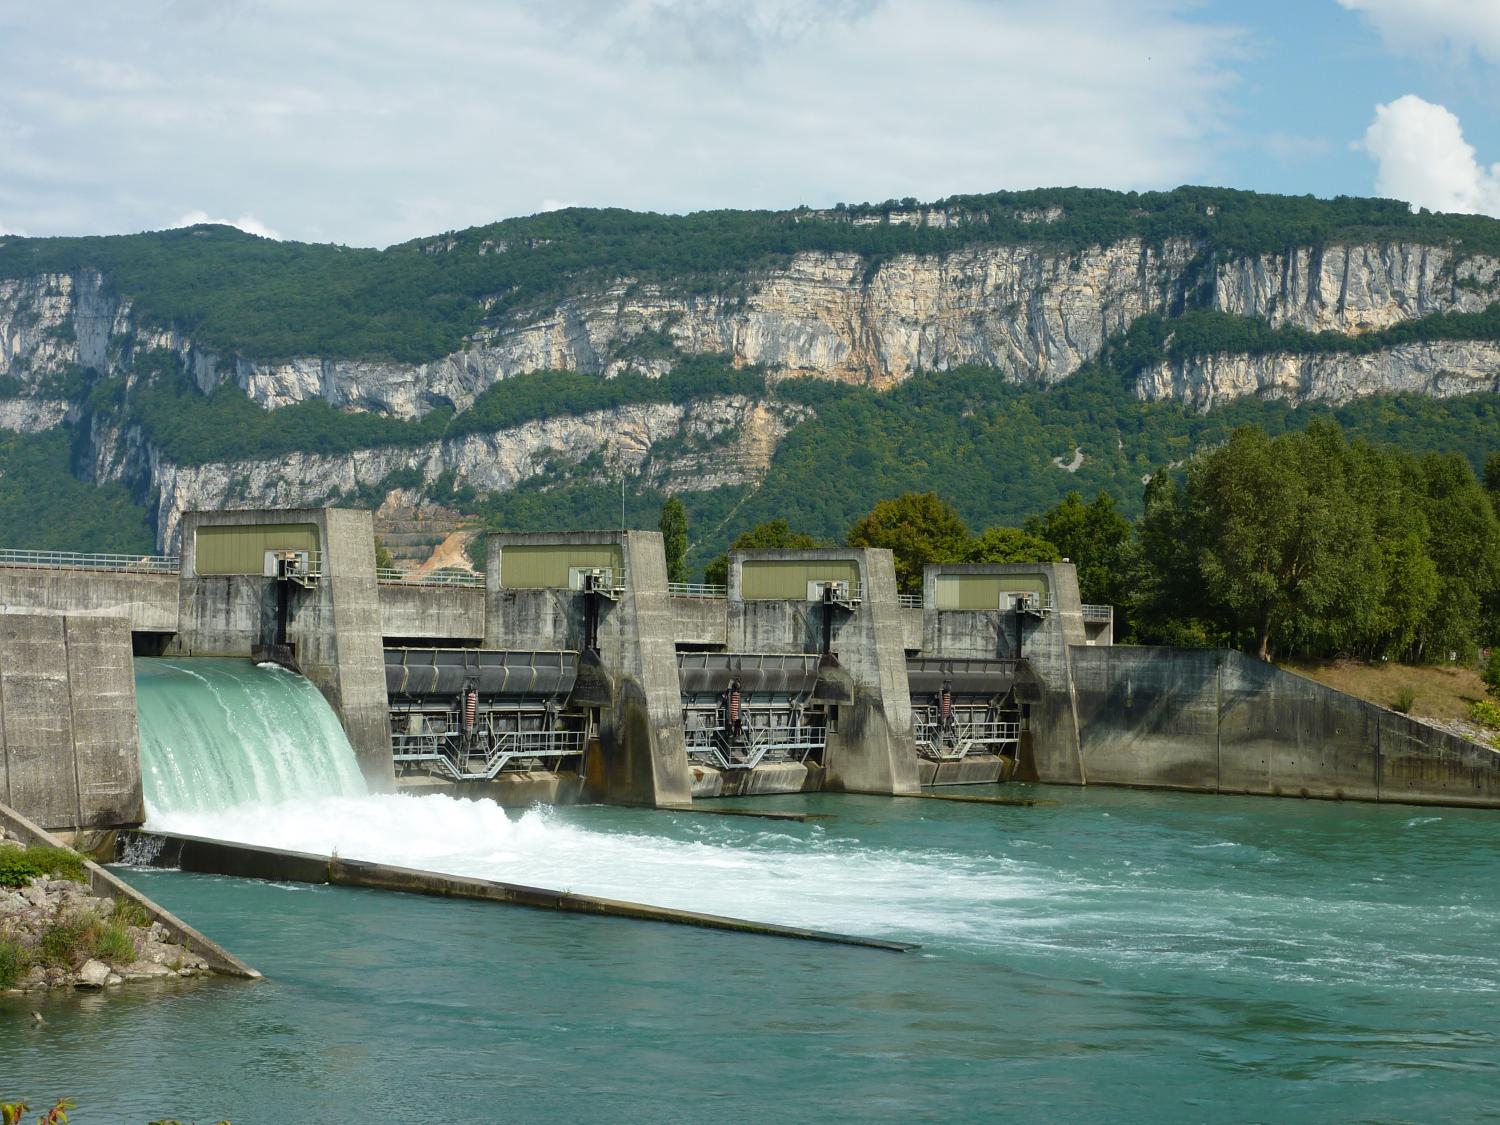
column 65, row 942
column 1405, row 699
column 18, row 866
column 111, row 942
column 128, row 912
column 14, row 961
column 1491, row 672
column 1485, row 713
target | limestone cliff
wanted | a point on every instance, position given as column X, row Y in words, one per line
column 1439, row 369
column 706, row 444
column 1034, row 314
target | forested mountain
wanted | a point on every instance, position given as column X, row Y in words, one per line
column 1000, row 349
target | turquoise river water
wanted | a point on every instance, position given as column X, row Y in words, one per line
column 1107, row 956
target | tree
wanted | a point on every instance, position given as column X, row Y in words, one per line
column 1009, row 545
column 384, row 560
column 1268, row 530
column 1492, row 477
column 1095, row 538
column 771, row 534
column 1491, row 673
column 674, row 539
column 919, row 528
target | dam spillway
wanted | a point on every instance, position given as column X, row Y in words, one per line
column 217, row 734
column 660, row 694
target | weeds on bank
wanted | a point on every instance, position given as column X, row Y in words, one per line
column 79, row 936
column 1406, row 699
column 1486, row 714
column 14, row 961
column 18, row 866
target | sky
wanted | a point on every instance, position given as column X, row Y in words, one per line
column 373, row 122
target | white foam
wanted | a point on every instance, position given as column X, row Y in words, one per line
column 808, row 881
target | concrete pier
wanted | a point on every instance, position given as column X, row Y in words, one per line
column 70, row 757
column 332, row 624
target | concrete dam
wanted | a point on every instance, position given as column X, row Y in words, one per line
column 571, row 670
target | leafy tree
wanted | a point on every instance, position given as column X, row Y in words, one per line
column 771, row 534
column 1009, row 545
column 1492, row 477
column 384, row 560
column 674, row 535
column 1095, row 537
column 1491, row 673
column 919, row 528
column 1274, row 544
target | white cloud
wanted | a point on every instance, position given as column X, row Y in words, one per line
column 247, row 223
column 1455, row 27
column 1422, row 157
column 383, row 121
column 4, row 230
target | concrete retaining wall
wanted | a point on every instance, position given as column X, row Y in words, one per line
column 147, row 601
column 700, row 621
column 1217, row 721
column 67, row 721
column 410, row 612
column 217, row 857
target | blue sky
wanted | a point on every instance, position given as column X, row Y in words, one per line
column 374, row 122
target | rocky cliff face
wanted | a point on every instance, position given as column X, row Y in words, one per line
column 704, row 445
column 1438, row 369
column 1034, row 314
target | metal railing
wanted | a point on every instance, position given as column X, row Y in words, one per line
column 1098, row 613
column 956, row 742
column 755, row 745
column 69, row 560
column 910, row 601
column 487, row 760
column 390, row 576
column 697, row 590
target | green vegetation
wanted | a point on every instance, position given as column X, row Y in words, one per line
column 18, row 866
column 919, row 528
column 271, row 300
column 45, row 507
column 1306, row 544
column 14, row 961
column 1485, row 713
column 192, row 428
column 1406, row 699
column 1491, row 674
column 12, row 1112
column 674, row 536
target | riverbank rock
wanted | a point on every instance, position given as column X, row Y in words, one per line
column 55, row 933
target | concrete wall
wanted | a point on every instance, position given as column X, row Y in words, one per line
column 700, row 621
column 1220, row 722
column 335, row 626
column 147, row 601
column 873, row 749
column 642, row 756
column 67, row 721
column 431, row 612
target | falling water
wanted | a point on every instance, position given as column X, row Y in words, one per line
column 216, row 734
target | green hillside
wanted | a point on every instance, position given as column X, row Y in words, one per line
column 269, row 300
